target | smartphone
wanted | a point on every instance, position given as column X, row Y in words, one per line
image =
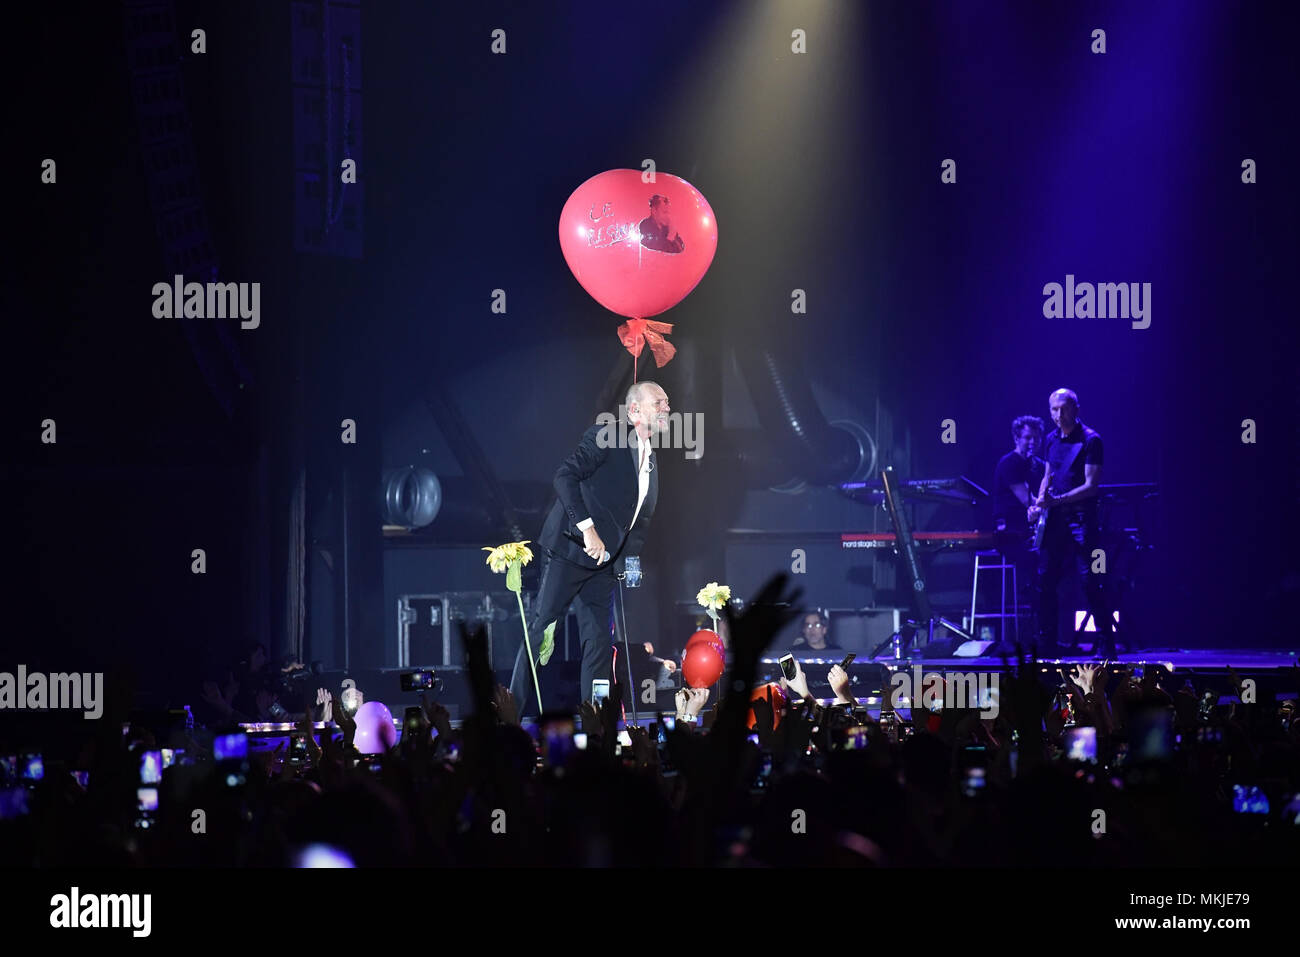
column 889, row 725
column 668, row 722
column 855, row 739
column 788, row 667
column 599, row 691
column 146, row 802
column 33, row 768
column 230, row 747
column 1291, row 813
column 1081, row 744
column 848, row 660
column 1249, row 799
column 168, row 758
column 412, row 720
column 557, row 741
column 418, row 680
column 1151, row 735
column 297, row 748
column 151, row 767
column 660, row 735
column 580, row 740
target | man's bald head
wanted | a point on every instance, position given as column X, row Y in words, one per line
column 647, row 407
column 1064, row 395
column 1064, row 406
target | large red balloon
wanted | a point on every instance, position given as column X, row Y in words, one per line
column 702, row 665
column 636, row 259
column 779, row 702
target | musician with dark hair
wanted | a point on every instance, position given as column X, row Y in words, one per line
column 1016, row 480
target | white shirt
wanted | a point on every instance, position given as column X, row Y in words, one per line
column 645, row 465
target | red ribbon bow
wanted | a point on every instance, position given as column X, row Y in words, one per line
column 635, row 334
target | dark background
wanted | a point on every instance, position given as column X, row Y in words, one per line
column 925, row 302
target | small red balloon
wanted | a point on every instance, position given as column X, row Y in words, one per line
column 638, row 248
column 779, row 702
column 702, row 665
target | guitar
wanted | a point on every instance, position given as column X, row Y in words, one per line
column 1040, row 526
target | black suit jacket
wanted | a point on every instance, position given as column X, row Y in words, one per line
column 599, row 483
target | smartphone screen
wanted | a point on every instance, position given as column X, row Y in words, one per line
column 1249, row 800
column 557, row 741
column 151, row 767
column 230, row 747
column 848, row 660
column 1081, row 744
column 418, row 680
column 599, row 691
column 33, row 767
column 788, row 667
column 855, row 739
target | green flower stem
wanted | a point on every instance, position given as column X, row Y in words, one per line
column 532, row 666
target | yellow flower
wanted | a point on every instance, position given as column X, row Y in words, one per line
column 713, row 596
column 500, row 558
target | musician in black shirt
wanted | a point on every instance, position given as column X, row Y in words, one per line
column 1068, row 494
column 1017, row 479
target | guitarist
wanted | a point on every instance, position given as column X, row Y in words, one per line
column 1016, row 481
column 1071, row 530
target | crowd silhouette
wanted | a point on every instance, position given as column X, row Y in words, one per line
column 1177, row 780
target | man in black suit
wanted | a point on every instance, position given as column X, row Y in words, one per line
column 607, row 490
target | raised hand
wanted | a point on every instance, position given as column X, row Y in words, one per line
column 1084, row 675
column 504, row 702
column 798, row 684
column 753, row 629
column 840, row 683
column 690, row 701
column 764, row 722
column 438, row 716
column 590, row 719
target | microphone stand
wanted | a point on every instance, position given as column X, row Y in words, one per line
column 627, row 657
